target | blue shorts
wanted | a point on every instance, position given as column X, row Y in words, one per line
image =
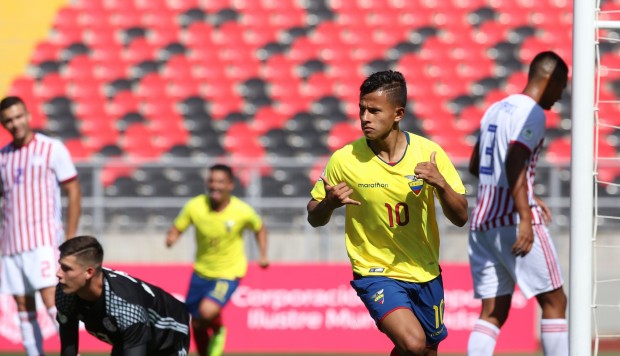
column 217, row 289
column 382, row 295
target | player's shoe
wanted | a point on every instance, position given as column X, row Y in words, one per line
column 217, row 342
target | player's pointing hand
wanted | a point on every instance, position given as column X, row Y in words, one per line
column 338, row 195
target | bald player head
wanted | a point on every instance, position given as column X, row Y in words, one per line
column 547, row 79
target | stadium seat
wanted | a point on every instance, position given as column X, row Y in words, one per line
column 558, row 151
column 342, row 134
column 23, row 87
column 151, row 86
column 78, row 150
column 53, row 85
column 45, row 51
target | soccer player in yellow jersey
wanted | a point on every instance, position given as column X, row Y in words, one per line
column 388, row 181
column 219, row 219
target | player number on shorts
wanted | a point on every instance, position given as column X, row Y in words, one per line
column 438, row 314
column 400, row 213
column 220, row 290
column 46, row 269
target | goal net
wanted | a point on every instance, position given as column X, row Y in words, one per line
column 606, row 204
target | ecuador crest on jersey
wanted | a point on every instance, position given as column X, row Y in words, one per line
column 415, row 184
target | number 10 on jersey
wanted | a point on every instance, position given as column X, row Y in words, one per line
column 400, row 213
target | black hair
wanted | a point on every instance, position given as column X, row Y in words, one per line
column 543, row 57
column 10, row 101
column 224, row 168
column 390, row 81
column 86, row 248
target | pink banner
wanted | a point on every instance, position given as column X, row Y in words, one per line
column 304, row 308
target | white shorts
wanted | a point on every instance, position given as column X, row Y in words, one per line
column 495, row 270
column 27, row 272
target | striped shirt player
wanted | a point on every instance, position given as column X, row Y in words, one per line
column 509, row 243
column 33, row 170
column 31, row 209
column 514, row 120
column 136, row 317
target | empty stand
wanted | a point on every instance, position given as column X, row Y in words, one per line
column 191, row 78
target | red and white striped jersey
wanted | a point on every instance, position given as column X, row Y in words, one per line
column 31, row 207
column 517, row 119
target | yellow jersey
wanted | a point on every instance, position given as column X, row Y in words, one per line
column 394, row 231
column 219, row 235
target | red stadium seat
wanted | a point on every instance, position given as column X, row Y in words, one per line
column 124, row 102
column 78, row 149
column 98, row 132
column 238, row 135
column 52, row 85
column 288, row 17
column 91, row 107
column 343, row 133
column 317, row 86
column 139, row 50
column 80, row 67
column 67, row 17
column 160, row 108
column 162, row 36
column 138, row 142
column 45, row 51
column 302, row 50
column 86, row 88
column 67, row 37
column 152, row 86
column 102, row 39
column 23, row 87
column 267, row 118
column 128, row 18
column 490, row 33
column 277, row 67
column 181, row 88
column 516, row 82
column 558, row 151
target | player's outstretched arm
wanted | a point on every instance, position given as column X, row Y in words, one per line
column 261, row 241
column 172, row 236
column 320, row 212
column 454, row 205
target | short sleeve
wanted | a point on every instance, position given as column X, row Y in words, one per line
column 61, row 162
column 255, row 223
column 184, row 219
column 330, row 172
column 530, row 129
column 449, row 172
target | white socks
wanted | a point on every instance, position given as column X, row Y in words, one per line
column 482, row 339
column 32, row 339
column 554, row 335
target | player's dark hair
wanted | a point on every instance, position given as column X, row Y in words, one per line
column 223, row 168
column 542, row 58
column 10, row 101
column 390, row 81
column 86, row 249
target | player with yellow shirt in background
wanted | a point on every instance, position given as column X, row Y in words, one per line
column 388, row 181
column 219, row 219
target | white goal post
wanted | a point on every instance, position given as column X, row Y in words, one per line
column 584, row 212
column 582, row 178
